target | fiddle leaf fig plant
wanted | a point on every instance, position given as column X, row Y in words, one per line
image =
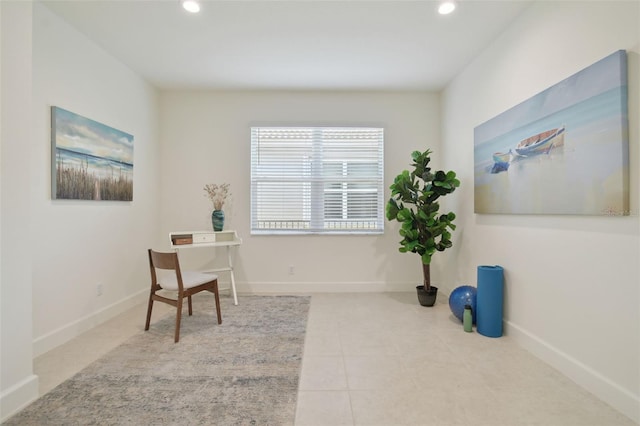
column 414, row 203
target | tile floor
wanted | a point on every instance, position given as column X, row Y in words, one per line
column 381, row 359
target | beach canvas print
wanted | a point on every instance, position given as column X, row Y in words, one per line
column 563, row 151
column 90, row 161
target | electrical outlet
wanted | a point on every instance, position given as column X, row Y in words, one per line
column 292, row 269
column 99, row 289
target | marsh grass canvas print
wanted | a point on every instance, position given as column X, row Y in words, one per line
column 90, row 161
column 563, row 151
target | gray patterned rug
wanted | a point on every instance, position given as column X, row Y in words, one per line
column 242, row 372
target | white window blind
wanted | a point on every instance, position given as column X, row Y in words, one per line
column 317, row 180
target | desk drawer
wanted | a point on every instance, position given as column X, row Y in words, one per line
column 205, row 237
column 182, row 241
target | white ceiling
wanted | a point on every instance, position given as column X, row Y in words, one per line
column 295, row 44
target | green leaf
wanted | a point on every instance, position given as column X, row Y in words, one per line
column 411, row 245
column 392, row 209
column 404, row 215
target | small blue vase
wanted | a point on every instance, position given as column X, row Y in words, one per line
column 217, row 220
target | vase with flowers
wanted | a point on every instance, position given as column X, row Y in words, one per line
column 218, row 195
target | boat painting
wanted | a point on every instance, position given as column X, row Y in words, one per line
column 541, row 143
column 563, row 151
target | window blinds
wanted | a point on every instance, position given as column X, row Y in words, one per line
column 317, row 180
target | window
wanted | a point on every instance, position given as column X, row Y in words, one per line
column 317, row 180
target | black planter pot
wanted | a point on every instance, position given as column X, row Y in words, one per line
column 427, row 298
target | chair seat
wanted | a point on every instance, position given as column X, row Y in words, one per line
column 190, row 279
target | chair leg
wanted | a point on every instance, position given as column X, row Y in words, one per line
column 190, row 306
column 149, row 308
column 215, row 293
column 178, row 318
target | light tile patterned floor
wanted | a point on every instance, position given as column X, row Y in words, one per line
column 382, row 359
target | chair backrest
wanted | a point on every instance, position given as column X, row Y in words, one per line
column 165, row 261
column 162, row 260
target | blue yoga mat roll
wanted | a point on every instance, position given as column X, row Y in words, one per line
column 489, row 300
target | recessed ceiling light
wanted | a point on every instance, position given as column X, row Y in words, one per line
column 446, row 7
column 191, row 6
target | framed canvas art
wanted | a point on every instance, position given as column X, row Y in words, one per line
column 90, row 160
column 563, row 151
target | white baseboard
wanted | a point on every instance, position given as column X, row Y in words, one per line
column 18, row 396
column 619, row 398
column 63, row 334
column 322, row 287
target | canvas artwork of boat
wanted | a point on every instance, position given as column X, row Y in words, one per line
column 564, row 150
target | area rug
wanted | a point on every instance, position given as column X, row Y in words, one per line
column 244, row 371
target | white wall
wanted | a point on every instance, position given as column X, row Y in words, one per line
column 572, row 282
column 206, row 139
column 81, row 244
column 17, row 382
column 55, row 252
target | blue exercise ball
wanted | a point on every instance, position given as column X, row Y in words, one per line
column 461, row 296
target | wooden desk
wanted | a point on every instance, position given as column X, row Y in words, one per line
column 203, row 239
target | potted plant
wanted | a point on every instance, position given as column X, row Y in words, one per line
column 414, row 203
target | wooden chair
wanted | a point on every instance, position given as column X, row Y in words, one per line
column 185, row 283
